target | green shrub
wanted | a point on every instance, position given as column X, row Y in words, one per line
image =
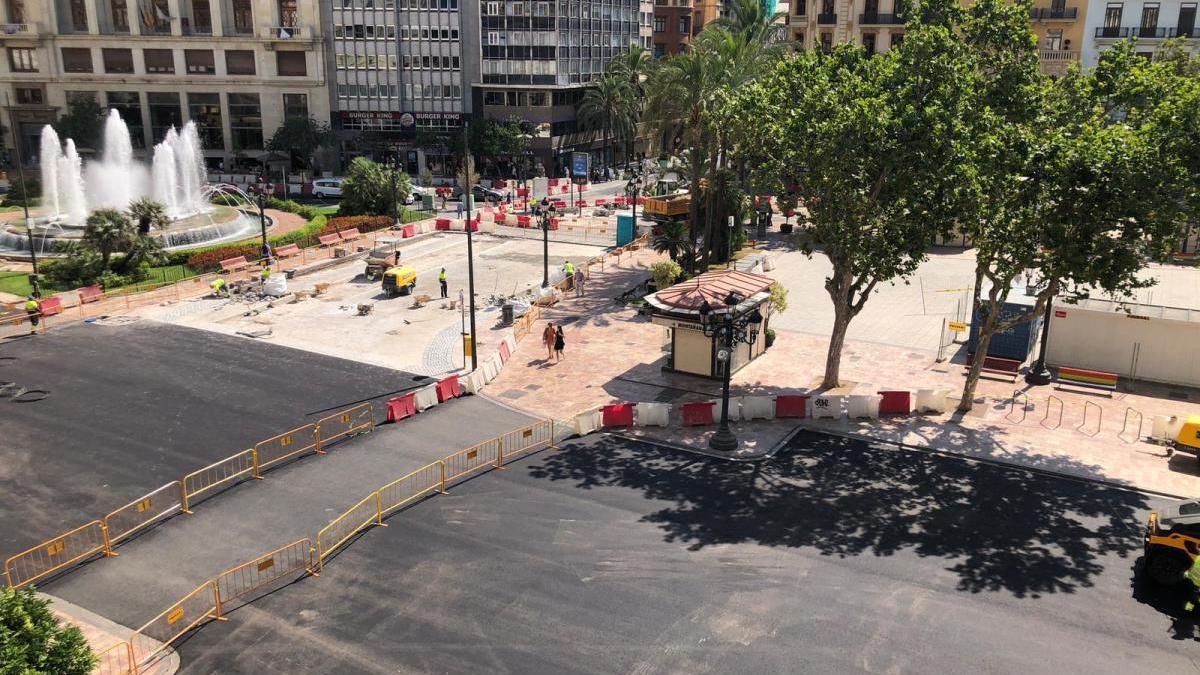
column 23, row 192
column 664, row 273
column 34, row 643
column 80, row 267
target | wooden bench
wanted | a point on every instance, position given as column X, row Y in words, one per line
column 350, row 234
column 287, row 251
column 998, row 365
column 234, row 264
column 1089, row 379
column 329, row 239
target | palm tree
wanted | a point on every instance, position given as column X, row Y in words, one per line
column 148, row 214
column 635, row 66
column 605, row 105
column 673, row 240
column 107, row 231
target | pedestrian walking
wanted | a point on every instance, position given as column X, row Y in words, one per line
column 559, row 343
column 510, row 197
column 442, row 281
column 548, row 338
column 460, row 206
column 397, row 256
column 578, row 280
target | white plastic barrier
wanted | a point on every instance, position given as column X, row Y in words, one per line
column 473, row 381
column 652, row 414
column 587, row 422
column 426, row 398
column 491, row 368
column 932, row 400
column 485, row 226
column 863, row 406
column 512, row 343
column 827, row 407
column 758, row 407
column 487, row 217
column 735, row 412
column 458, row 225
column 1165, row 427
column 510, row 220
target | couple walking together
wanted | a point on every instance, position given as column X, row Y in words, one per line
column 552, row 337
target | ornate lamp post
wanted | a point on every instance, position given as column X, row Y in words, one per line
column 545, row 211
column 730, row 329
column 632, row 189
column 262, row 219
column 393, row 167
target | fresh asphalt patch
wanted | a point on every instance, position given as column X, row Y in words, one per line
column 836, row 555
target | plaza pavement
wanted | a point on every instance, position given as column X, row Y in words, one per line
column 613, row 354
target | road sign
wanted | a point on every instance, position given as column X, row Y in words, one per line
column 958, row 327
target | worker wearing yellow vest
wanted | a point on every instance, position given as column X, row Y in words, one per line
column 569, row 270
column 442, row 282
column 218, row 288
column 34, row 312
column 265, row 273
column 1193, row 576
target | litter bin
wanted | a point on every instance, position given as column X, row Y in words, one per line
column 427, row 202
column 506, row 314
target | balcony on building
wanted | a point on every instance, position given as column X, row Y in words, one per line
column 24, row 31
column 876, row 19
column 1058, row 56
column 1140, row 32
column 826, row 19
column 1054, row 13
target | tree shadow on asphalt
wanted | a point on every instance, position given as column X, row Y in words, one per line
column 997, row 528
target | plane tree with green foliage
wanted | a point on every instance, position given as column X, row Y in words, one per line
column 873, row 145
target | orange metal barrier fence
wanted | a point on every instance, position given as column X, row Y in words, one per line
column 161, row 503
column 337, row 426
column 49, row 557
column 474, row 458
column 287, row 445
column 358, row 518
column 116, row 660
column 406, row 490
column 529, row 439
column 227, row 471
column 244, row 579
column 192, row 609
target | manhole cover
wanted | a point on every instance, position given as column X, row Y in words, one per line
column 514, row 394
column 533, row 387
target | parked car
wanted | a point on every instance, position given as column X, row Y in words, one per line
column 416, row 192
column 487, row 194
column 327, row 188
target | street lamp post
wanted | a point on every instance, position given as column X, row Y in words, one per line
column 1038, row 373
column 544, row 211
column 468, row 179
column 632, row 189
column 33, row 278
column 393, row 166
column 262, row 221
column 731, row 329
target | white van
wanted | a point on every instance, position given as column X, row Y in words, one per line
column 327, row 188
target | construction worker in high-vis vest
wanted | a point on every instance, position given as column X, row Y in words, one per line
column 218, row 288
column 442, row 282
column 265, row 273
column 1193, row 576
column 34, row 313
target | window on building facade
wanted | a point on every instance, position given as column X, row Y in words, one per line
column 30, row 96
column 119, row 15
column 77, row 60
column 1053, row 40
column 245, row 121
column 1186, row 25
column 129, row 105
column 164, row 112
column 291, row 64
column 827, row 42
column 200, row 62
column 156, row 17
column 79, row 96
column 1149, row 19
column 295, row 106
column 1112, row 19
column 243, row 17
column 868, row 40
column 660, row 24
column 15, row 11
column 22, row 60
column 79, row 17
column 205, row 111
column 239, row 62
column 685, row 25
column 201, row 18
column 159, row 61
column 289, row 14
column 117, row 60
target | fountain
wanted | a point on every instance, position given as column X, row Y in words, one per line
column 176, row 178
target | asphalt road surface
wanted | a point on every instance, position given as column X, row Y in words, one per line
column 835, row 556
column 132, row 407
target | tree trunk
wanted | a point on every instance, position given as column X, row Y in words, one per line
column 982, row 342
column 693, row 210
column 838, row 286
column 837, row 340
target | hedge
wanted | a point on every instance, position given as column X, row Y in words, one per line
column 210, row 259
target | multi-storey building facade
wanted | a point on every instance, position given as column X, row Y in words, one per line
column 400, row 67
column 673, row 27
column 1148, row 23
column 238, row 68
column 537, row 57
column 877, row 25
